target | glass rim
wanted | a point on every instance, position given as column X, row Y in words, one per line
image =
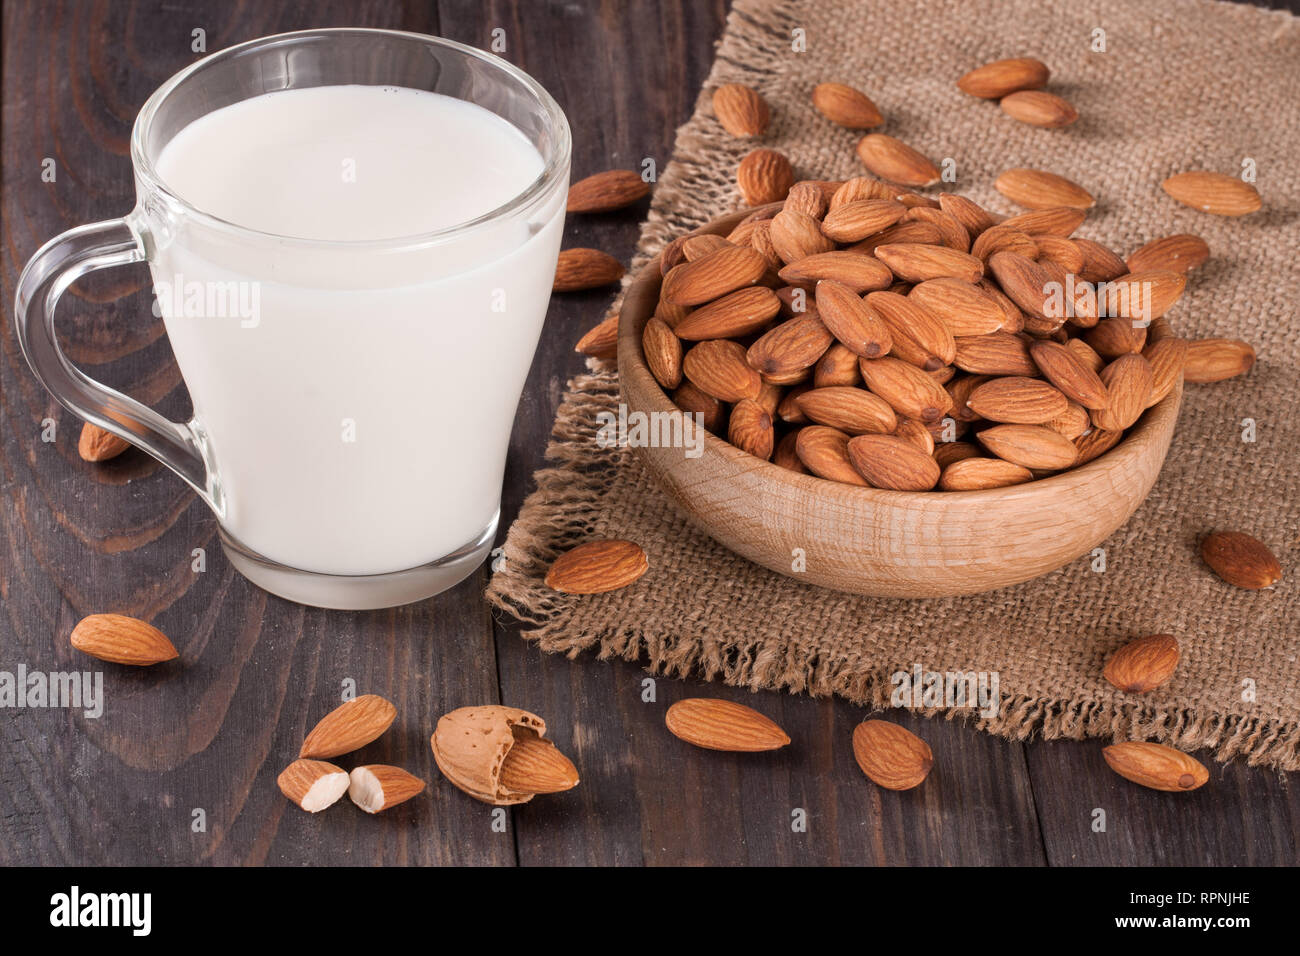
column 554, row 165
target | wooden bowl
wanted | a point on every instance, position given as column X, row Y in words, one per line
column 888, row 543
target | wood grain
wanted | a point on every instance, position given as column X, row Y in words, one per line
column 212, row 730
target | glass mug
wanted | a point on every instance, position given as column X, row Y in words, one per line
column 351, row 440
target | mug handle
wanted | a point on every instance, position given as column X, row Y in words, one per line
column 56, row 265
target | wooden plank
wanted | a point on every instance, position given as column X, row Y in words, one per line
column 212, row 732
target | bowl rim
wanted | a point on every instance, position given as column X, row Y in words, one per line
column 1154, row 427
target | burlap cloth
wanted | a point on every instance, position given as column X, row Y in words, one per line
column 1182, row 85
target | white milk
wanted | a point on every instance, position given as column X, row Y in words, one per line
column 356, row 405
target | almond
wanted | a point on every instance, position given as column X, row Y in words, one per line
column 807, row 198
column 960, row 390
column 1086, row 354
column 1156, row 766
column 890, row 755
column 119, row 639
column 1179, row 253
column 917, row 433
column 663, row 353
column 914, row 262
column 580, row 269
column 741, row 110
column 1029, row 284
column 472, row 745
column 1073, row 423
column 1128, row 382
column 694, row 401
column 906, row 388
column 1002, row 239
column 729, row 269
column 1213, row 193
column 854, row 411
column 596, row 567
column 535, row 765
column 894, row 160
column 846, row 106
column 964, row 308
column 600, row 341
column 1143, row 665
column 349, row 727
column 793, row 345
column 1018, row 400
column 1068, row 372
column 854, row 221
column 1213, row 360
column 950, row 452
column 997, row 79
column 796, row 235
column 98, row 444
column 1142, row 295
column 1099, row 263
column 918, row 335
column 893, row 462
column 1241, row 559
column 750, row 429
column 857, row 326
column 1094, row 444
column 859, row 188
column 764, row 176
column 786, row 456
column 607, row 191
column 721, row 725
column 839, row 366
column 973, row 217
column 951, row 232
column 920, row 233
column 859, row 273
column 1064, row 252
column 979, row 474
column 1037, row 189
column 313, row 784
column 377, row 787
column 1039, row 108
column 1166, row 358
column 1061, row 221
column 1030, row 446
column 697, row 247
column 825, row 452
column 734, row 315
column 997, row 353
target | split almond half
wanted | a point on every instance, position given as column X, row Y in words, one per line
column 377, row 787
column 313, row 784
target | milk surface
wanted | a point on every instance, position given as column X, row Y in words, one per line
column 358, row 416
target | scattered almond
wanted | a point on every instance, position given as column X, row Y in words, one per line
column 607, row 191
column 995, row 80
column 741, row 110
column 119, row 639
column 600, row 341
column 1143, row 665
column 723, row 725
column 595, row 567
column 1036, row 189
column 1213, row 360
column 1214, row 193
column 894, row 160
column 580, row 269
column 890, row 755
column 1156, row 766
column 1039, row 108
column 97, row 444
column 1241, row 560
column 846, row 106
column 349, row 727
column 1179, row 253
column 764, row 176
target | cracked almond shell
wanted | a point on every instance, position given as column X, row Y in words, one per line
column 470, row 746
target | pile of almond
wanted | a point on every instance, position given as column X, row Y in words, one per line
column 871, row 335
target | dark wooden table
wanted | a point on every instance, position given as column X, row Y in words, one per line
column 181, row 767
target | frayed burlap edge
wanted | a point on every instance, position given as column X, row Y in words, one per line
column 566, row 508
